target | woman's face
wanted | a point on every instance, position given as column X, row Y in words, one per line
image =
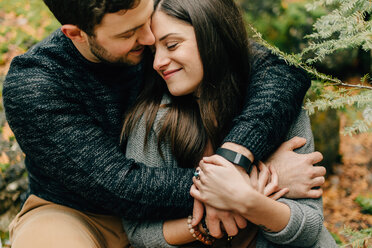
column 177, row 57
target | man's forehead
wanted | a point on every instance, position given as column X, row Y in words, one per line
column 126, row 20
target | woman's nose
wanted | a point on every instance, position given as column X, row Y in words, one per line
column 160, row 60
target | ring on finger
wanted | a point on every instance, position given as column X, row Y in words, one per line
column 197, row 174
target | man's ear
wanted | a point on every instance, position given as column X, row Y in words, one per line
column 74, row 33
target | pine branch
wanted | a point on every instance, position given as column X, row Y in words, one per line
column 359, row 126
column 295, row 60
column 358, row 243
column 345, row 27
column 358, row 238
column 338, row 100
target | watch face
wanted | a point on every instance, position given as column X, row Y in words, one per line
column 237, row 158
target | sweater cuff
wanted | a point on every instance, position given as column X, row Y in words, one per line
column 302, row 228
column 155, row 237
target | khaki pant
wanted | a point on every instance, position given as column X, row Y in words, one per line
column 43, row 224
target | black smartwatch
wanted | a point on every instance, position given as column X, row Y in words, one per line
column 235, row 158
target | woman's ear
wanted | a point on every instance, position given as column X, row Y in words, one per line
column 74, row 33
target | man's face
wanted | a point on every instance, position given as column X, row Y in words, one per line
column 120, row 37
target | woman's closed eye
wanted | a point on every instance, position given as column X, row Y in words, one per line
column 172, row 45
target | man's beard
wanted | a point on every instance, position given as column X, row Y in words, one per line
column 105, row 57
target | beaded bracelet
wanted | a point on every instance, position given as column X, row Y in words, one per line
column 198, row 235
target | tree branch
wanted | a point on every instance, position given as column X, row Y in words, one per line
column 291, row 59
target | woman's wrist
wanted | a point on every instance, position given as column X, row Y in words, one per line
column 198, row 234
column 247, row 199
column 268, row 214
column 176, row 232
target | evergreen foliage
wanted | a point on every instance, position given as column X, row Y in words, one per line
column 365, row 203
column 346, row 25
column 359, row 239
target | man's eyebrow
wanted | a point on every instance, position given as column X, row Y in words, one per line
column 165, row 36
column 130, row 30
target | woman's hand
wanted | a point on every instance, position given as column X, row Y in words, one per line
column 221, row 181
column 226, row 187
column 265, row 181
column 220, row 186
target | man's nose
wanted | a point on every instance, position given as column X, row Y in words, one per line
column 145, row 36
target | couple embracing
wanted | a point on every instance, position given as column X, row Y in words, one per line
column 121, row 112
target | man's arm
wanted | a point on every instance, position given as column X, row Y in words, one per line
column 273, row 100
column 67, row 147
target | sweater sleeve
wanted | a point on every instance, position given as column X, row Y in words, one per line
column 146, row 234
column 66, row 146
column 273, row 100
column 306, row 219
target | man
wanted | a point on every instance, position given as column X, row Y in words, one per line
column 65, row 99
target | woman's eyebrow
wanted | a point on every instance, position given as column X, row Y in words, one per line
column 165, row 36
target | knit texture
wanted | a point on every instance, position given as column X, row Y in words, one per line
column 266, row 117
column 306, row 220
column 66, row 114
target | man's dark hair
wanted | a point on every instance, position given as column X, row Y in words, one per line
column 86, row 14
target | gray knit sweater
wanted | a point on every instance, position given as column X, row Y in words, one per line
column 305, row 227
column 66, row 114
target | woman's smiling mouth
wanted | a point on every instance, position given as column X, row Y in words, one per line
column 169, row 73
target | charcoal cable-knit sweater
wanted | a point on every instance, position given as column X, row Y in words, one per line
column 66, row 114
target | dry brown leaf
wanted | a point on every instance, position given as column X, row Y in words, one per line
column 4, row 159
column 7, row 133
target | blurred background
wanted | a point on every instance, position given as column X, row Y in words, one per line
column 283, row 24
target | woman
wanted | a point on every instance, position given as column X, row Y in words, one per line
column 186, row 118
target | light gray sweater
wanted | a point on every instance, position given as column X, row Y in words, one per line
column 305, row 227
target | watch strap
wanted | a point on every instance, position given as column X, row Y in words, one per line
column 235, row 158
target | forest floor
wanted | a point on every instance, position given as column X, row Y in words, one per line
column 351, row 179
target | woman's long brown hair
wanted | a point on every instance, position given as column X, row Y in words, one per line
column 189, row 122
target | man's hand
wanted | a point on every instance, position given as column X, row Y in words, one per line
column 231, row 222
column 296, row 171
column 265, row 181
